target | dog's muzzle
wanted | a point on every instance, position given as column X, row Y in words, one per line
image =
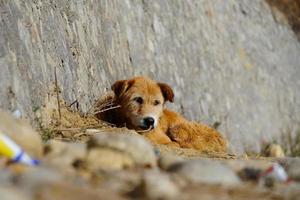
column 148, row 123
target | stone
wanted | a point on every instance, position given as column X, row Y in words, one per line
column 241, row 74
column 108, row 159
column 120, row 150
column 63, row 155
column 122, row 181
column 250, row 174
column 11, row 193
column 292, row 192
column 206, row 171
column 22, row 134
column 292, row 166
column 166, row 160
column 69, row 191
column 30, row 179
column 240, row 164
column 6, row 177
column 157, row 185
column 274, row 150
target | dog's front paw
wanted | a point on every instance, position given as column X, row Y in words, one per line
column 157, row 136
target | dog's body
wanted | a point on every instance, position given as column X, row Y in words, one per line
column 142, row 102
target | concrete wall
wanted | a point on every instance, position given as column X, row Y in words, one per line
column 236, row 62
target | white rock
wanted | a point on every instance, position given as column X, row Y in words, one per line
column 165, row 161
column 158, row 185
column 134, row 146
column 107, row 159
column 62, row 155
column 29, row 180
column 275, row 150
column 206, row 171
column 292, row 166
column 10, row 193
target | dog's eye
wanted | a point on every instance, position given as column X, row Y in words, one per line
column 139, row 100
column 156, row 102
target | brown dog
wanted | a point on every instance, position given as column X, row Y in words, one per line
column 142, row 103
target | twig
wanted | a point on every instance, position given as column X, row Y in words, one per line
column 107, row 109
column 80, row 134
column 57, row 93
column 68, row 129
column 63, row 139
column 74, row 102
column 106, row 104
column 83, row 128
column 99, row 108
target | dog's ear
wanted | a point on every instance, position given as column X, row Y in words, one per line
column 166, row 91
column 121, row 86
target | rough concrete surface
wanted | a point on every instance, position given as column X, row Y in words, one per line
column 235, row 61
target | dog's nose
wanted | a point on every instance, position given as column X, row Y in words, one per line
column 149, row 121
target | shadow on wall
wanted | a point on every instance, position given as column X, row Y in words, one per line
column 291, row 10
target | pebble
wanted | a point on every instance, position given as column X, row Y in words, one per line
column 206, row 171
column 62, row 155
column 122, row 181
column 292, row 166
column 157, row 185
column 11, row 193
column 68, row 191
column 121, row 148
column 274, row 150
column 166, row 160
column 108, row 159
column 30, row 179
column 292, row 192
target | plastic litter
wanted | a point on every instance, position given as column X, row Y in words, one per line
column 14, row 152
column 275, row 173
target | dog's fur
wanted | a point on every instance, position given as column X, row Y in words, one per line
column 140, row 98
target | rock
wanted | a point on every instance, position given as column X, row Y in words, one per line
column 274, row 150
column 292, row 192
column 292, row 166
column 22, row 133
column 157, row 185
column 11, row 193
column 108, row 159
column 206, row 171
column 32, row 178
column 166, row 160
column 249, row 173
column 68, row 191
column 122, row 181
column 238, row 165
column 5, row 177
column 211, row 53
column 63, row 155
column 119, row 150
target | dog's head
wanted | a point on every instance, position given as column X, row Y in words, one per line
column 142, row 101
